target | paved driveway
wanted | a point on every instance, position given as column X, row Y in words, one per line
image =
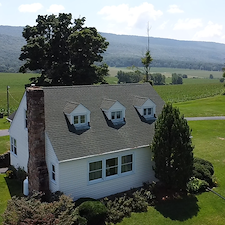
column 205, row 118
column 4, row 132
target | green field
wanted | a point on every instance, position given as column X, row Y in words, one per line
column 168, row 72
column 16, row 82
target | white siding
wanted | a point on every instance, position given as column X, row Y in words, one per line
column 19, row 132
column 74, row 176
column 51, row 159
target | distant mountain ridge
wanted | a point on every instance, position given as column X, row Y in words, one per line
column 126, row 50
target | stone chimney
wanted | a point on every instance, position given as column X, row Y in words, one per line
column 38, row 177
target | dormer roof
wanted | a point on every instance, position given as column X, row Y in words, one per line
column 70, row 107
column 107, row 103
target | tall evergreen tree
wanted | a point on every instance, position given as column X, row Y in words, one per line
column 66, row 53
column 172, row 148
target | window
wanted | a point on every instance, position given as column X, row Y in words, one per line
column 126, row 163
column 53, row 172
column 107, row 168
column 147, row 112
column 25, row 118
column 95, row 170
column 117, row 115
column 13, row 145
column 79, row 120
column 111, row 166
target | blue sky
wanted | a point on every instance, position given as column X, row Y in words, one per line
column 199, row 20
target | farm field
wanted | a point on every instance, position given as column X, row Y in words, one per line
column 191, row 89
column 168, row 72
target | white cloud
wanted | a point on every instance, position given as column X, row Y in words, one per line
column 188, row 24
column 210, row 31
column 174, row 9
column 0, row 4
column 30, row 7
column 132, row 16
column 55, row 8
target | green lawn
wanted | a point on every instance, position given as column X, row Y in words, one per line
column 205, row 209
column 4, row 144
column 4, row 123
column 8, row 188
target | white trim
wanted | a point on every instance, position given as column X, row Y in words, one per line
column 13, row 145
column 105, row 153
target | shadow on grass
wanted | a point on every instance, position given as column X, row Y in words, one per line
column 15, row 187
column 179, row 209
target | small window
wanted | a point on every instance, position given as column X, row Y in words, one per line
column 111, row 166
column 147, row 112
column 79, row 120
column 53, row 172
column 13, row 146
column 95, row 170
column 126, row 163
column 25, row 118
column 117, row 115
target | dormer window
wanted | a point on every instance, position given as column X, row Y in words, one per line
column 147, row 111
column 117, row 115
column 114, row 111
column 145, row 107
column 78, row 115
column 79, row 120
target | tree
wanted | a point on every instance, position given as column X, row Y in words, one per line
column 146, row 61
column 66, row 53
column 129, row 77
column 210, row 76
column 158, row 78
column 172, row 148
column 177, row 79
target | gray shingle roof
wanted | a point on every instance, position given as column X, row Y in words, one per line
column 101, row 137
column 107, row 103
column 139, row 101
column 70, row 106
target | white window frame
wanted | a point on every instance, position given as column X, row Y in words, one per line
column 116, row 166
column 104, row 168
column 53, row 173
column 93, row 171
column 13, row 146
column 146, row 112
column 79, row 120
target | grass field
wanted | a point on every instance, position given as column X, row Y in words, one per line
column 16, row 82
column 205, row 209
column 4, row 144
column 191, row 89
column 182, row 93
column 168, row 72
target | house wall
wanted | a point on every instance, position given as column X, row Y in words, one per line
column 19, row 132
column 74, row 181
column 51, row 159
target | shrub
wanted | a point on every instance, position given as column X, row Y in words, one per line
column 196, row 185
column 203, row 170
column 93, row 211
column 31, row 210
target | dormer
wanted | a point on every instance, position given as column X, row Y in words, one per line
column 78, row 115
column 145, row 107
column 113, row 110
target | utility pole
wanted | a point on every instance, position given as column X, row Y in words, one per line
column 8, row 100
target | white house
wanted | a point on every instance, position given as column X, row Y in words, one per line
column 96, row 138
